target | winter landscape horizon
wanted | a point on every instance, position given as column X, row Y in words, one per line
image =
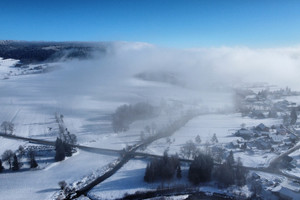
column 106, row 100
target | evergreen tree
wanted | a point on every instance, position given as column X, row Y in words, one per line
column 214, row 139
column 15, row 163
column 32, row 161
column 201, row 168
column 230, row 159
column 60, row 150
column 293, row 116
column 225, row 174
column 240, row 173
column 178, row 172
column 1, row 167
column 67, row 149
column 161, row 169
column 218, row 154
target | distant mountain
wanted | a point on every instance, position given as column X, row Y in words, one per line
column 38, row 52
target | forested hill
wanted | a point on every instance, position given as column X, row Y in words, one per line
column 36, row 52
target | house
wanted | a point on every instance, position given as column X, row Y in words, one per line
column 251, row 98
column 262, row 128
column 262, row 144
column 244, row 133
column 232, row 145
column 257, row 114
column 281, row 131
column 277, row 138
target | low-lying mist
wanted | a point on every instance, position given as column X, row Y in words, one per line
column 139, row 72
column 197, row 68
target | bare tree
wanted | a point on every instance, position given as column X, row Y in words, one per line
column 189, row 149
column 8, row 157
column 198, row 139
column 62, row 184
column 7, row 127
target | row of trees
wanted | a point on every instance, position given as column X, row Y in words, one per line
column 163, row 169
column 202, row 169
column 63, row 144
column 191, row 149
column 13, row 159
column 62, row 149
column 227, row 173
column 126, row 114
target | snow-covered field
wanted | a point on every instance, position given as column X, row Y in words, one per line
column 43, row 183
column 223, row 125
column 128, row 180
column 87, row 100
column 30, row 103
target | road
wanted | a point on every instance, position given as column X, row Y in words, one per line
column 132, row 152
column 275, row 161
column 125, row 155
column 52, row 143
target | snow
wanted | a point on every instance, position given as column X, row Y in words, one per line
column 5, row 69
column 296, row 162
column 128, row 180
column 41, row 184
column 224, row 125
column 257, row 159
column 31, row 101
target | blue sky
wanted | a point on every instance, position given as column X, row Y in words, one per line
column 169, row 23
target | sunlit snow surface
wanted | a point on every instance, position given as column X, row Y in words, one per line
column 31, row 101
column 87, row 93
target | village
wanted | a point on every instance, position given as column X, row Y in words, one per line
column 279, row 141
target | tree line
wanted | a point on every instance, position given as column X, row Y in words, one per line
column 203, row 168
column 127, row 114
column 13, row 159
